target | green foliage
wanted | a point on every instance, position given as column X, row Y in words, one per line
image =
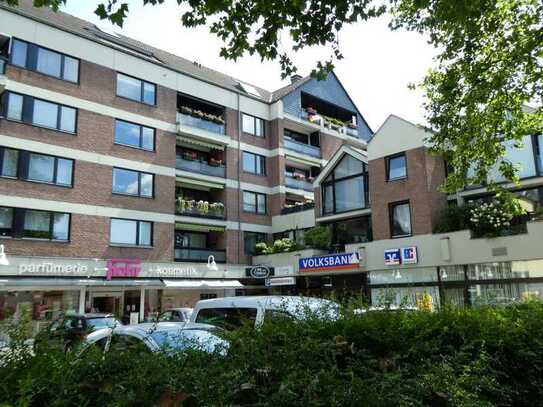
column 284, row 245
column 318, row 237
column 455, row 357
column 453, row 218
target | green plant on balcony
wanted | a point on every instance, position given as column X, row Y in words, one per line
column 318, row 237
column 284, row 245
column 186, row 110
column 202, row 207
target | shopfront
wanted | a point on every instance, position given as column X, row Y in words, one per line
column 132, row 290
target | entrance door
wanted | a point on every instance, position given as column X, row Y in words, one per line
column 131, row 305
column 106, row 302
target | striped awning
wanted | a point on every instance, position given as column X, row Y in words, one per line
column 299, row 160
column 198, row 228
column 200, row 183
column 198, row 142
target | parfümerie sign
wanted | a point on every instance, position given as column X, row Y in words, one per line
column 330, row 262
column 58, row 269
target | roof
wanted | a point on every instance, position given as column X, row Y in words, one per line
column 357, row 153
column 86, row 29
column 281, row 92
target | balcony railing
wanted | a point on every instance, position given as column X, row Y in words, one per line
column 297, row 208
column 201, row 209
column 199, row 255
column 302, row 148
column 292, row 182
column 351, row 131
column 200, row 167
column 200, row 123
column 3, row 64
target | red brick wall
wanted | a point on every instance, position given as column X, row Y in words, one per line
column 424, row 175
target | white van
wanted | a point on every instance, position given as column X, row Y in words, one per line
column 232, row 312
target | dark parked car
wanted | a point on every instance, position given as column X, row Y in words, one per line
column 66, row 332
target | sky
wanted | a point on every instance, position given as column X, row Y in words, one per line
column 377, row 67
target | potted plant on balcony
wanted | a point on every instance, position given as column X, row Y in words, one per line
column 198, row 113
column 186, row 110
column 217, row 208
column 218, row 119
column 203, row 207
column 215, row 162
column 190, row 155
column 298, row 176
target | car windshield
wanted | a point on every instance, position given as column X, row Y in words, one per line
column 227, row 318
column 97, row 323
column 189, row 339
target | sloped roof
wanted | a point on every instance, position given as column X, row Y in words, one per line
column 357, row 153
column 285, row 90
column 83, row 28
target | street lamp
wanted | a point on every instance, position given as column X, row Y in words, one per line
column 3, row 258
column 211, row 265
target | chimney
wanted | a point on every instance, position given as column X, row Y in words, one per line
column 295, row 78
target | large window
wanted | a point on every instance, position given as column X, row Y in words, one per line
column 191, row 240
column 34, row 224
column 400, row 219
column 132, row 183
column 131, row 232
column 254, row 202
column 252, row 125
column 396, row 167
column 346, row 188
column 136, row 89
column 254, row 163
column 250, row 240
column 40, row 113
column 43, row 60
column 36, row 167
column 134, row 135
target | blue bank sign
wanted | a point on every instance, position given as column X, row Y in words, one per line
column 330, row 262
column 405, row 255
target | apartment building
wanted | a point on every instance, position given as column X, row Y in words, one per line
column 385, row 213
column 133, row 180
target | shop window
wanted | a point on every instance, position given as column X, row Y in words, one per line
column 252, row 125
column 250, row 240
column 35, row 58
column 136, row 89
column 41, row 113
column 253, row 202
column 134, row 135
column 396, row 167
column 132, row 183
column 254, row 163
column 400, row 219
column 131, row 232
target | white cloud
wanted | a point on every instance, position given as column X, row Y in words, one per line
column 378, row 63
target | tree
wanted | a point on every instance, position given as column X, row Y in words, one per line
column 489, row 66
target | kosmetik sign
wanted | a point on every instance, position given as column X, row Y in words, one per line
column 331, row 262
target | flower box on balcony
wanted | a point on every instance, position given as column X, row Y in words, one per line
column 310, row 111
column 214, row 162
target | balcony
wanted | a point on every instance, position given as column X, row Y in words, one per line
column 201, row 209
column 199, row 255
column 298, row 207
column 302, row 148
column 202, row 121
column 200, row 167
column 298, row 183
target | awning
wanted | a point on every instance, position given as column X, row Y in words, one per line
column 308, row 162
column 78, row 282
column 201, row 143
column 207, row 184
column 198, row 228
column 199, row 284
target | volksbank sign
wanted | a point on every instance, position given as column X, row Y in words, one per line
column 330, row 262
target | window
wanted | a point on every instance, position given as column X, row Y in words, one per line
column 254, row 202
column 396, row 167
column 6, row 221
column 132, row 183
column 136, row 89
column 400, row 219
column 43, row 60
column 134, row 135
column 41, row 113
column 36, row 167
column 227, row 318
column 191, row 240
column 252, row 125
column 254, row 163
column 131, row 232
column 46, row 225
column 250, row 240
column 346, row 188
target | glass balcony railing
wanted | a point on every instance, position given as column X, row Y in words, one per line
column 199, row 255
column 297, row 208
column 200, row 167
column 351, row 131
column 303, row 184
column 3, row 64
column 302, row 148
column 200, row 123
column 201, row 209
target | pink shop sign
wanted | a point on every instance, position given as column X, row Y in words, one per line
column 123, row 268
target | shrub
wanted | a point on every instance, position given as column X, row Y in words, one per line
column 318, row 237
column 284, row 245
column 453, row 218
